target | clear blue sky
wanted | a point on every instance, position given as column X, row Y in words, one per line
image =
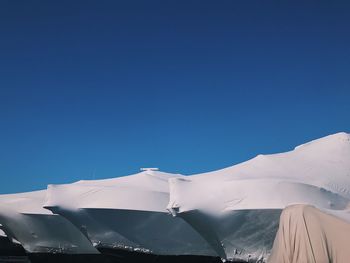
column 96, row 89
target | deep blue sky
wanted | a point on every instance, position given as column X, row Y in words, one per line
column 96, row 89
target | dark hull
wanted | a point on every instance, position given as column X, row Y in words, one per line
column 7, row 248
column 123, row 256
column 107, row 256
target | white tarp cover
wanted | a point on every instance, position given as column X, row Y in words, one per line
column 23, row 218
column 316, row 173
column 127, row 212
column 236, row 210
column 309, row 235
column 320, row 164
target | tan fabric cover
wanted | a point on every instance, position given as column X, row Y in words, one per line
column 308, row 235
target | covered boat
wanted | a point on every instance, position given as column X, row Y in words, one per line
column 237, row 209
column 127, row 212
column 23, row 219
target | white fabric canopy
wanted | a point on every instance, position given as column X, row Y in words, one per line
column 39, row 230
column 316, row 173
column 129, row 212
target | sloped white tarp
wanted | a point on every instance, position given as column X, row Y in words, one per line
column 233, row 212
column 237, row 209
column 309, row 235
column 127, row 212
column 23, row 218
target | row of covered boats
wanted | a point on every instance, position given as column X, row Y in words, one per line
column 233, row 213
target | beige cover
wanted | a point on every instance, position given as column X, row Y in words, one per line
column 308, row 235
